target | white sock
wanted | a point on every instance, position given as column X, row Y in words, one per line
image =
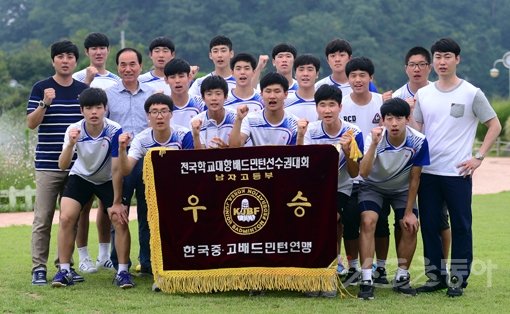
column 122, row 267
column 381, row 263
column 366, row 274
column 104, row 251
column 83, row 253
column 65, row 266
column 353, row 263
column 401, row 273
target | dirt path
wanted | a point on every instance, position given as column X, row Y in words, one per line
column 493, row 176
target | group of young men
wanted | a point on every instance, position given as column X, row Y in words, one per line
column 95, row 128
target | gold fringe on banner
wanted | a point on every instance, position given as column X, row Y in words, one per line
column 247, row 278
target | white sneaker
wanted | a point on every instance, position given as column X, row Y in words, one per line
column 87, row 266
column 105, row 264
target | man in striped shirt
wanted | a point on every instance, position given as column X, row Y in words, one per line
column 53, row 105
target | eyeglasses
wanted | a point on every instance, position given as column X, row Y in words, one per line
column 421, row 65
column 156, row 113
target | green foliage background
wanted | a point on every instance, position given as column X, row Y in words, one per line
column 381, row 30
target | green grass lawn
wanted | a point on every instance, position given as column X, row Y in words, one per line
column 487, row 291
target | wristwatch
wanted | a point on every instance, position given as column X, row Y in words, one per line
column 479, row 156
column 43, row 105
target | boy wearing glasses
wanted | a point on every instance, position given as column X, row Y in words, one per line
column 417, row 67
column 158, row 108
column 159, row 133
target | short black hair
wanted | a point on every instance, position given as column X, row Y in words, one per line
column 307, row 59
column 138, row 54
column 418, row 51
column 340, row 45
column 162, row 41
column 220, row 40
column 328, row 92
column 396, row 107
column 283, row 47
column 64, row 46
column 156, row 99
column 214, row 82
column 96, row 40
column 274, row 78
column 360, row 64
column 445, row 45
column 176, row 66
column 243, row 56
column 93, row 96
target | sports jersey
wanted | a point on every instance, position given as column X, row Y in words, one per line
column 301, row 108
column 315, row 134
column 64, row 110
column 261, row 132
column 211, row 129
column 155, row 82
column 180, row 138
column 404, row 92
column 194, row 90
column 94, row 162
column 293, row 87
column 102, row 81
column 345, row 88
column 392, row 165
column 254, row 102
column 367, row 116
column 449, row 121
column 183, row 115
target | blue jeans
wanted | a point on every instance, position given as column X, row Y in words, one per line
column 134, row 182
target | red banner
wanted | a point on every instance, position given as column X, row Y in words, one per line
column 244, row 218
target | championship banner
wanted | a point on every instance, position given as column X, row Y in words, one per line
column 261, row 218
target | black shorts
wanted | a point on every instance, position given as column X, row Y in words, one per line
column 82, row 190
column 347, row 207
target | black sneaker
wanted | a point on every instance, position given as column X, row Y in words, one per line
column 39, row 277
column 455, row 289
column 432, row 285
column 366, row 290
column 379, row 276
column 352, row 277
column 76, row 277
column 403, row 285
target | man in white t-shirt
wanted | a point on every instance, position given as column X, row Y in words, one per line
column 448, row 111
